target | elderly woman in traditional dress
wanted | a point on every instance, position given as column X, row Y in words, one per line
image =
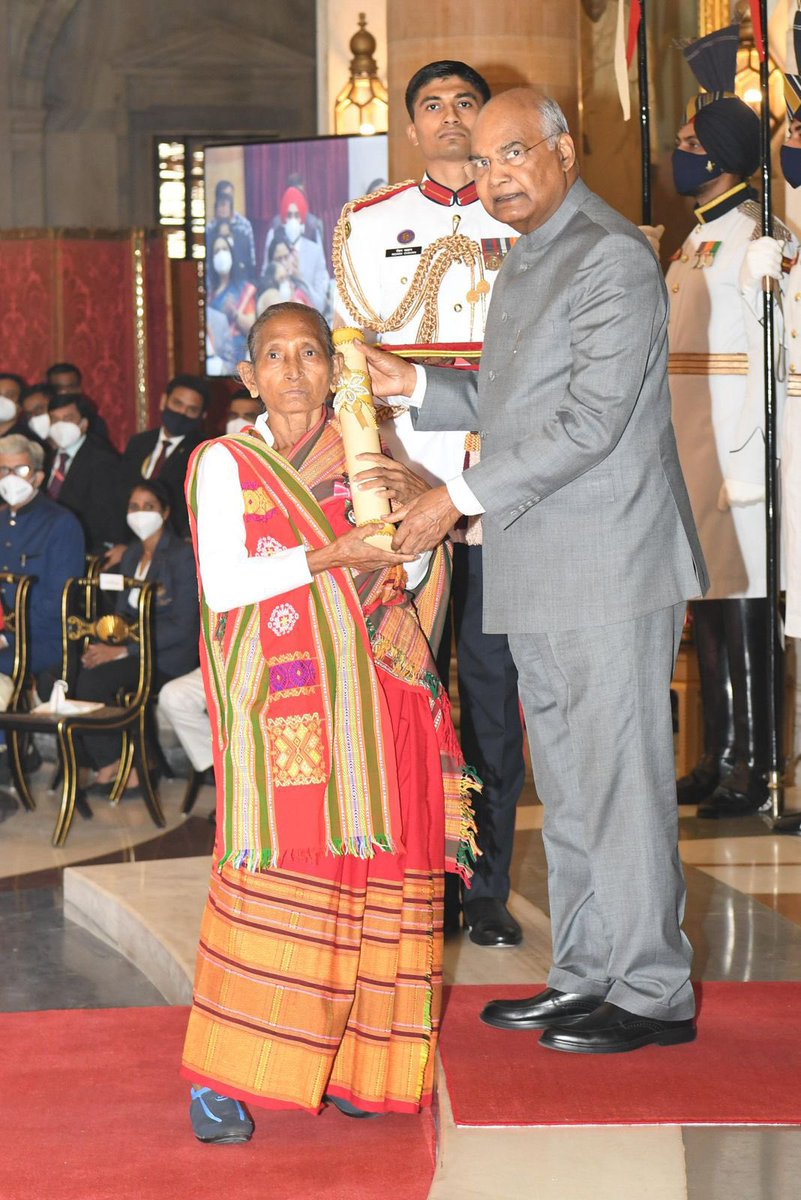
column 341, row 788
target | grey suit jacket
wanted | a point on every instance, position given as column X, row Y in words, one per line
column 587, row 516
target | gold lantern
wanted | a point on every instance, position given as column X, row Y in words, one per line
column 363, row 105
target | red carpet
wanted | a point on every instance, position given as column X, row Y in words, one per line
column 743, row 1069
column 93, row 1109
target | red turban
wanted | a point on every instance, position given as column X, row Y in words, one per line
column 294, row 195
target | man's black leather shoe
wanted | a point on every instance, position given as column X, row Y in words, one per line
column 700, row 783
column 741, row 793
column 546, row 1008
column 490, row 923
column 612, row 1030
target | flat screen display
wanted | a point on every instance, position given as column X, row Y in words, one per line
column 271, row 208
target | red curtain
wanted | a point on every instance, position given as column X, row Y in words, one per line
column 67, row 296
column 321, row 163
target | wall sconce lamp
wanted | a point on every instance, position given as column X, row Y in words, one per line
column 363, row 104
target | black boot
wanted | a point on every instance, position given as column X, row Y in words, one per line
column 744, row 789
column 716, row 698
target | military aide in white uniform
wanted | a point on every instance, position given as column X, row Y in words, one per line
column 790, row 158
column 716, row 381
column 415, row 263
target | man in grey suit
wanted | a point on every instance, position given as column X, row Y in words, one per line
column 590, row 555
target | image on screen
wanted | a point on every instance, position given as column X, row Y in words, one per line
column 271, row 208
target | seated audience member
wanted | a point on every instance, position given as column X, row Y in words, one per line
column 182, row 706
column 35, row 403
column 242, row 411
column 241, row 230
column 312, row 226
column 160, row 557
column 65, row 377
column 308, row 257
column 229, row 292
column 12, row 418
column 279, row 284
column 38, row 537
column 219, row 344
column 84, row 474
column 163, row 453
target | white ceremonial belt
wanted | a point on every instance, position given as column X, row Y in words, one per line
column 793, row 385
column 707, row 364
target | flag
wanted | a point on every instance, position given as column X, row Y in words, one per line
column 635, row 16
column 621, row 67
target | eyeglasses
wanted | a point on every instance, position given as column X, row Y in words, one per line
column 515, row 156
column 24, row 470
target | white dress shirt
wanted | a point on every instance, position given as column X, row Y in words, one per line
column 172, row 442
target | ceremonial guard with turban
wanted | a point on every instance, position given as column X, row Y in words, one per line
column 716, row 379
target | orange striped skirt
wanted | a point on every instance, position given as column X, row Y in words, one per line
column 327, row 978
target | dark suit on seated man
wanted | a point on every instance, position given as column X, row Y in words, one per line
column 590, row 553
column 84, row 472
column 163, row 453
column 37, row 537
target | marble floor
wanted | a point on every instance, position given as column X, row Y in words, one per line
column 119, row 884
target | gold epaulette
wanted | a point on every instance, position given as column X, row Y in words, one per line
column 753, row 209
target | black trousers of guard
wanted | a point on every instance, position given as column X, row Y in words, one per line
column 491, row 730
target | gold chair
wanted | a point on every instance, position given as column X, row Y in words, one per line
column 129, row 715
column 16, row 622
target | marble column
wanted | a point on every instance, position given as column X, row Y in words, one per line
column 510, row 42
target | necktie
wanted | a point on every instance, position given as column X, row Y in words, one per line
column 158, row 464
column 59, row 473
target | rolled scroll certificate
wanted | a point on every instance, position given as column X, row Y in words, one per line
column 353, row 404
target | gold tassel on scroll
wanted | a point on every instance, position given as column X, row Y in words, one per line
column 353, row 404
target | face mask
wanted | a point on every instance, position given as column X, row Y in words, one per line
column 223, row 261
column 690, row 172
column 237, row 424
column 64, row 434
column 16, row 491
column 8, row 409
column 40, row 424
column 292, row 228
column 144, row 523
column 178, row 424
column 790, row 159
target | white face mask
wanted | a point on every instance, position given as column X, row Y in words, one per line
column 40, row 424
column 293, row 229
column 144, row 523
column 223, row 261
column 16, row 491
column 64, row 434
column 8, row 409
column 237, row 424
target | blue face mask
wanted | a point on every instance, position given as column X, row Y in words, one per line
column 790, row 159
column 691, row 172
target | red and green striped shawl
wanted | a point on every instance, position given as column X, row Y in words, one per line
column 298, row 715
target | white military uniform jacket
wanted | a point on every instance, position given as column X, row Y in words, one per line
column 716, row 382
column 380, row 241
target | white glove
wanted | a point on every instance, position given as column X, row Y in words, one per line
column 654, row 235
column 763, row 257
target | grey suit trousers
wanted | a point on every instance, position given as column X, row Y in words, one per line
column 597, row 706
